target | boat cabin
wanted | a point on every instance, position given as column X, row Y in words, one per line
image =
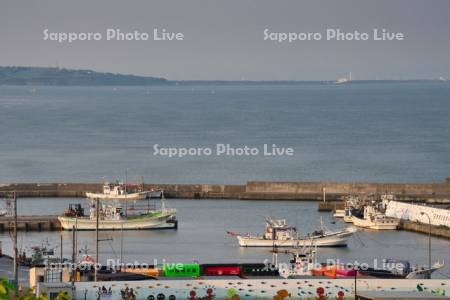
column 277, row 229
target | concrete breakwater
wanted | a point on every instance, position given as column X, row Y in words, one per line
column 30, row 223
column 433, row 193
column 439, row 231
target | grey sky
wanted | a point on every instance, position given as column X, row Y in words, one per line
column 224, row 39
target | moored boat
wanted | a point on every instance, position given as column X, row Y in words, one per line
column 278, row 233
column 120, row 191
column 114, row 217
column 373, row 219
column 395, row 268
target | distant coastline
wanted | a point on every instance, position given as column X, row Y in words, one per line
column 53, row 76
column 65, row 77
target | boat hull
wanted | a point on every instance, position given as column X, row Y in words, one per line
column 390, row 224
column 335, row 240
column 423, row 274
column 130, row 196
column 164, row 221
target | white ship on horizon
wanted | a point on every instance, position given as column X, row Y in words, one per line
column 341, row 80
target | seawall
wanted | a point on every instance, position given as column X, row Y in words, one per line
column 433, row 193
column 438, row 231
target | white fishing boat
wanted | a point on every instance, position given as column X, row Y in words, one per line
column 114, row 217
column 120, row 191
column 373, row 219
column 302, row 263
column 278, row 233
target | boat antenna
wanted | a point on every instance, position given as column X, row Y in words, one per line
column 121, row 245
column 74, row 268
column 97, row 204
column 16, row 273
column 126, row 202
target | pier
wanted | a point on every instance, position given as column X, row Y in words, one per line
column 30, row 223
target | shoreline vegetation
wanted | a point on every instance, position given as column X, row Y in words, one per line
column 67, row 77
column 55, row 76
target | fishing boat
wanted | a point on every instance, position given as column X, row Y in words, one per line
column 302, row 263
column 115, row 217
column 120, row 191
column 278, row 233
column 395, row 268
column 352, row 207
column 374, row 219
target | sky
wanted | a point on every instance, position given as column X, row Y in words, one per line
column 224, row 40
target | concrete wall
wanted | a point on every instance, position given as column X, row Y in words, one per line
column 408, row 191
column 439, row 231
column 438, row 192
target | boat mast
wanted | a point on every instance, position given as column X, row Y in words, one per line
column 16, row 271
column 97, row 202
column 121, row 244
column 126, row 202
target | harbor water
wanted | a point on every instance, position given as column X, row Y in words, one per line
column 202, row 236
column 362, row 131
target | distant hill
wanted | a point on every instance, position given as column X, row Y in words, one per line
column 62, row 77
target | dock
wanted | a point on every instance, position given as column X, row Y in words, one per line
column 30, row 223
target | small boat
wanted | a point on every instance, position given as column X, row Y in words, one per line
column 41, row 255
column 421, row 272
column 301, row 264
column 373, row 219
column 395, row 268
column 120, row 191
column 278, row 233
column 114, row 217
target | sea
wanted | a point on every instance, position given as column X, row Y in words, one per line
column 363, row 131
column 368, row 131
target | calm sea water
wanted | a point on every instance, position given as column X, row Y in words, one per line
column 359, row 132
column 202, row 235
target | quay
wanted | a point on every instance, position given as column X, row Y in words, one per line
column 430, row 193
column 438, row 231
column 30, row 223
